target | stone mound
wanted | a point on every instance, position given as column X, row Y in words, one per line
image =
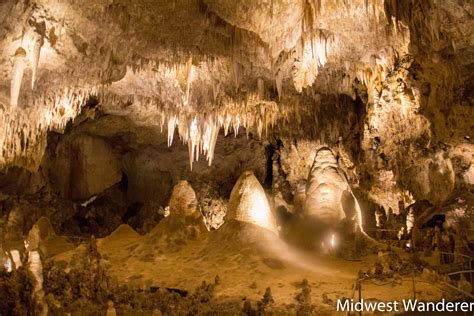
column 248, row 203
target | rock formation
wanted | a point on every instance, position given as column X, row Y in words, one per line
column 85, row 166
column 248, row 203
column 183, row 201
column 328, row 195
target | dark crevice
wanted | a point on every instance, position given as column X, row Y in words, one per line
column 269, row 152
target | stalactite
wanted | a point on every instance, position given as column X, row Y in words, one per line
column 19, row 62
column 34, row 58
column 24, row 138
column 172, row 121
column 212, row 143
column 237, row 68
column 189, row 75
column 279, row 84
column 199, row 130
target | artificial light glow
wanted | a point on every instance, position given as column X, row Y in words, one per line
column 333, row 240
column 260, row 209
column 248, row 203
column 7, row 263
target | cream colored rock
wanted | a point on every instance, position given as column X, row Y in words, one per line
column 33, row 240
column 35, row 266
column 41, row 231
column 183, row 200
column 325, row 188
column 248, row 203
column 16, row 258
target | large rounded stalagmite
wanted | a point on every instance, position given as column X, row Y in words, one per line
column 248, row 203
column 327, row 189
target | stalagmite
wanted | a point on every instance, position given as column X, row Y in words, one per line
column 16, row 258
column 248, row 203
column 19, row 63
column 328, row 195
column 183, row 201
column 324, row 189
column 36, row 268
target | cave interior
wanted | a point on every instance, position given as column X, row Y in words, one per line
column 207, row 157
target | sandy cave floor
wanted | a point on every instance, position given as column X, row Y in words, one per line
column 245, row 267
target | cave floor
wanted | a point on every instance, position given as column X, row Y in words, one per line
column 245, row 269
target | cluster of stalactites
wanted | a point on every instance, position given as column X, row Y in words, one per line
column 27, row 54
column 178, row 85
column 200, row 131
column 197, row 114
column 314, row 54
column 199, row 128
column 23, row 131
column 317, row 44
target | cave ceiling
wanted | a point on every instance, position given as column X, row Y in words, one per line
column 198, row 67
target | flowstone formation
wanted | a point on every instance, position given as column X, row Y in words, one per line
column 266, row 142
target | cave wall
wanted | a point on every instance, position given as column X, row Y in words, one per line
column 107, row 171
column 83, row 166
column 392, row 96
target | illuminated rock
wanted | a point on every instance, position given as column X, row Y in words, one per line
column 248, row 203
column 16, row 258
column 15, row 223
column 19, row 65
column 5, row 261
column 328, row 195
column 324, row 189
column 35, row 266
column 41, row 232
column 38, row 41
